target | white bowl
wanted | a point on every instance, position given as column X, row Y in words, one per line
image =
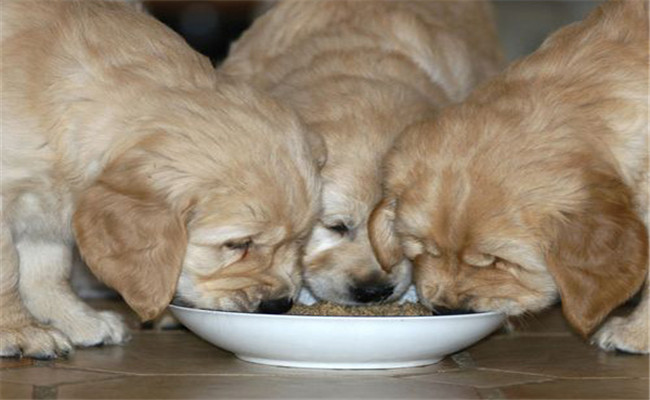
column 338, row 342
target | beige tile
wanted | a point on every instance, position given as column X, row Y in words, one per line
column 581, row 389
column 15, row 362
column 180, row 352
column 556, row 356
column 188, row 387
column 45, row 376
column 9, row 390
column 479, row 378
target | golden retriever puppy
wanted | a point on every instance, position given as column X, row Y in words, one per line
column 119, row 137
column 358, row 72
column 536, row 185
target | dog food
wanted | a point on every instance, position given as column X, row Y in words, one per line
column 406, row 309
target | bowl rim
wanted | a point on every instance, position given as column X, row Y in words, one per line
column 478, row 314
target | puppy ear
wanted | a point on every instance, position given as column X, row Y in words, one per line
column 133, row 242
column 381, row 232
column 599, row 260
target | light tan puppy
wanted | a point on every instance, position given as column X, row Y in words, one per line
column 116, row 134
column 536, row 185
column 358, row 72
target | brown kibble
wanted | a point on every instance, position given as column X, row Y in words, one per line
column 406, row 309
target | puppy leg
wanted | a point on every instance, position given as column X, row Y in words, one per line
column 44, row 284
column 628, row 333
column 20, row 333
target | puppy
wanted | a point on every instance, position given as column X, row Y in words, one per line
column 358, row 73
column 536, row 185
column 120, row 138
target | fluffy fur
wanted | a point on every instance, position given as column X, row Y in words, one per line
column 119, row 137
column 536, row 186
column 358, row 73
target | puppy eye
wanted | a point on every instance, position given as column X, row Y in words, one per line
column 239, row 245
column 480, row 260
column 339, row 228
column 237, row 250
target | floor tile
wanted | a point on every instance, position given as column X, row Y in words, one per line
column 556, row 356
column 479, row 378
column 15, row 362
column 180, row 352
column 580, row 389
column 542, row 359
column 9, row 390
column 45, row 376
column 266, row 387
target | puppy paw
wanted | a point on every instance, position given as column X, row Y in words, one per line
column 93, row 328
column 33, row 340
column 625, row 334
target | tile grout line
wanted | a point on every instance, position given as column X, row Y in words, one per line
column 415, row 374
column 518, row 372
column 539, row 379
column 600, row 378
column 72, row 382
column 529, row 374
column 130, row 374
column 558, row 376
column 81, row 369
column 464, row 360
column 112, row 378
column 493, row 393
column 497, row 394
column 302, row 373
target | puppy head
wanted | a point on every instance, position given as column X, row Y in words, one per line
column 218, row 192
column 507, row 225
column 339, row 264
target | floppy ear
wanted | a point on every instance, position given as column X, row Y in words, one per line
column 133, row 242
column 599, row 260
column 381, row 232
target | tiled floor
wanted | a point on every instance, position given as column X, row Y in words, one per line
column 542, row 359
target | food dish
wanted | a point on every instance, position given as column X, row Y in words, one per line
column 335, row 342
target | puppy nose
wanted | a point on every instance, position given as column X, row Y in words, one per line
column 450, row 311
column 275, row 306
column 371, row 292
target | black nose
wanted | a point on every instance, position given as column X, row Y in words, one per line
column 371, row 292
column 275, row 306
column 450, row 311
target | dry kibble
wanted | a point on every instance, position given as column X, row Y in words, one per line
column 406, row 309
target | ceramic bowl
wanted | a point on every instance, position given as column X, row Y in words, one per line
column 334, row 342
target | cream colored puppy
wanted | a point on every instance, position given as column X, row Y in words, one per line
column 358, row 72
column 119, row 137
column 536, row 186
